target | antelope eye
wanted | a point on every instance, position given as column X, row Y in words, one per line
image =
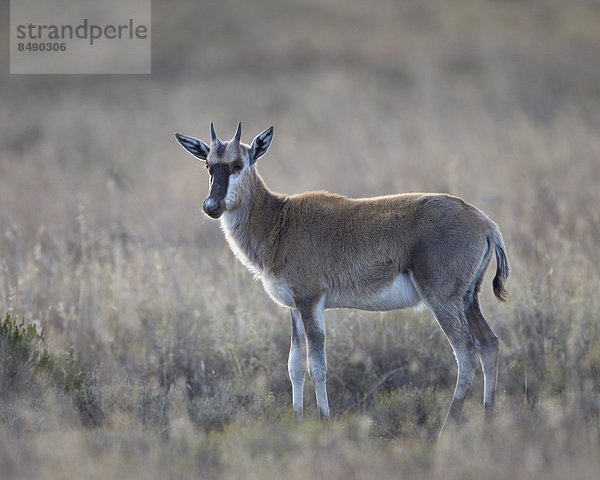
column 237, row 167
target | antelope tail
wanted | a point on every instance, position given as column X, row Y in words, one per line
column 502, row 265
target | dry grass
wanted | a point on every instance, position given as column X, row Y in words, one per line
column 102, row 243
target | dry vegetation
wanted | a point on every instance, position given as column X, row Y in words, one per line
column 176, row 359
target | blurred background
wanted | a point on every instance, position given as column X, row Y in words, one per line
column 103, row 244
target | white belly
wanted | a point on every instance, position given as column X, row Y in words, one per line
column 401, row 293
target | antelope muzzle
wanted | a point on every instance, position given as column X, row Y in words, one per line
column 214, row 204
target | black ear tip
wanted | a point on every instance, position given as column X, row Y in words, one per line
column 178, row 136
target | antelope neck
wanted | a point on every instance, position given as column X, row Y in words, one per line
column 251, row 229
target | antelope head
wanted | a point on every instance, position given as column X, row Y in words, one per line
column 229, row 164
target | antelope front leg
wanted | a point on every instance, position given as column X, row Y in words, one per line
column 297, row 362
column 313, row 318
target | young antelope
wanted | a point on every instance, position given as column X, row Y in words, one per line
column 319, row 250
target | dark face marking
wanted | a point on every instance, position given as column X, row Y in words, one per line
column 214, row 204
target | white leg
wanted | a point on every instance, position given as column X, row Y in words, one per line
column 297, row 362
column 314, row 325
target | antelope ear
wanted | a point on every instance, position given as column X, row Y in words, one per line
column 196, row 147
column 260, row 144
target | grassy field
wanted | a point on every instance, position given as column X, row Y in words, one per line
column 164, row 359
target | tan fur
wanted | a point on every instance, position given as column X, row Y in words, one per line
column 322, row 242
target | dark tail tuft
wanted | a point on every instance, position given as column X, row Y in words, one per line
column 502, row 267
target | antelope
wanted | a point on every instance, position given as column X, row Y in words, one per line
column 319, row 250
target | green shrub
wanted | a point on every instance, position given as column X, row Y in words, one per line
column 21, row 356
column 26, row 366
